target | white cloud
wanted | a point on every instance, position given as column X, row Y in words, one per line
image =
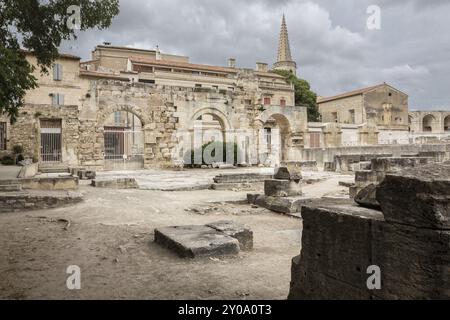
column 329, row 39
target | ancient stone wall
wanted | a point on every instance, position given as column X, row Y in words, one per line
column 407, row 243
column 26, row 131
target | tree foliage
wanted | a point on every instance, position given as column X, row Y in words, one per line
column 39, row 26
column 303, row 94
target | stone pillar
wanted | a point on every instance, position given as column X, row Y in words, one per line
column 332, row 135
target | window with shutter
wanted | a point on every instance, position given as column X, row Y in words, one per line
column 57, row 72
column 57, row 99
column 61, row 99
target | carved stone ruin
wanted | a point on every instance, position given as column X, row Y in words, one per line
column 409, row 241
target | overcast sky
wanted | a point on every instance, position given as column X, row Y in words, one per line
column 334, row 49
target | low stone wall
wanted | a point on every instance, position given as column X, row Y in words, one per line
column 322, row 155
column 308, row 165
column 28, row 171
column 24, row 201
column 58, row 183
column 380, row 167
column 345, row 248
column 119, row 183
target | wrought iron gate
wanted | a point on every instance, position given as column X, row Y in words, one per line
column 124, row 148
column 51, row 140
column 2, row 135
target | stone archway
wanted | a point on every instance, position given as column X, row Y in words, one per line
column 428, row 123
column 206, row 125
column 276, row 142
column 447, row 123
column 123, row 140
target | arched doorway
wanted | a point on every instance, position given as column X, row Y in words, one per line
column 428, row 123
column 123, row 141
column 277, row 134
column 211, row 128
column 207, row 133
column 447, row 124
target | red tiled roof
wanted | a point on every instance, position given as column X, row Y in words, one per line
column 352, row 93
column 102, row 75
column 61, row 55
column 177, row 64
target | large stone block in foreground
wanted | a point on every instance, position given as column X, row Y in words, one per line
column 417, row 197
column 336, row 251
column 340, row 242
column 282, row 188
column 235, row 230
column 196, row 241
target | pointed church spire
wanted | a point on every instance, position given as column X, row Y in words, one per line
column 284, row 60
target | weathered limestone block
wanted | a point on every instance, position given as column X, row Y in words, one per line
column 336, row 251
column 307, row 165
column 367, row 197
column 290, row 172
column 364, row 177
column 329, row 166
column 397, row 164
column 119, row 183
column 240, row 232
column 241, row 177
column 196, row 241
column 37, row 200
column 86, row 174
column 414, row 262
column 418, row 197
column 438, row 156
column 282, row 188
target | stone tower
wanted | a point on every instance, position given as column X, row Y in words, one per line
column 284, row 60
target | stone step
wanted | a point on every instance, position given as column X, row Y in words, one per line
column 10, row 187
column 53, row 169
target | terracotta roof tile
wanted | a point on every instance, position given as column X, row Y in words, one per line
column 177, row 64
column 350, row 93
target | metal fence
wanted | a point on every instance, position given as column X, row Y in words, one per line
column 51, row 140
column 124, row 149
column 2, row 135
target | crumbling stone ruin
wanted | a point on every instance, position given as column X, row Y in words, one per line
column 363, row 191
column 281, row 194
column 406, row 244
column 232, row 181
column 220, row 238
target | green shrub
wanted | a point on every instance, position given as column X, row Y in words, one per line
column 17, row 149
column 20, row 157
column 7, row 161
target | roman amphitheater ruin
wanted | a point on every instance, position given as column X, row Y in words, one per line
column 114, row 174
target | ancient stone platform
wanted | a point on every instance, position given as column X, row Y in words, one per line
column 37, row 200
column 221, row 238
column 118, row 183
column 246, row 181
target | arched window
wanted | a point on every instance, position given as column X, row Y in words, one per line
column 447, row 124
column 428, row 123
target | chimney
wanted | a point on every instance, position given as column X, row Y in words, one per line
column 262, row 67
column 232, row 63
column 158, row 53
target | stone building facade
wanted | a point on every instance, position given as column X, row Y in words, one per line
column 368, row 116
column 429, row 126
column 130, row 108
